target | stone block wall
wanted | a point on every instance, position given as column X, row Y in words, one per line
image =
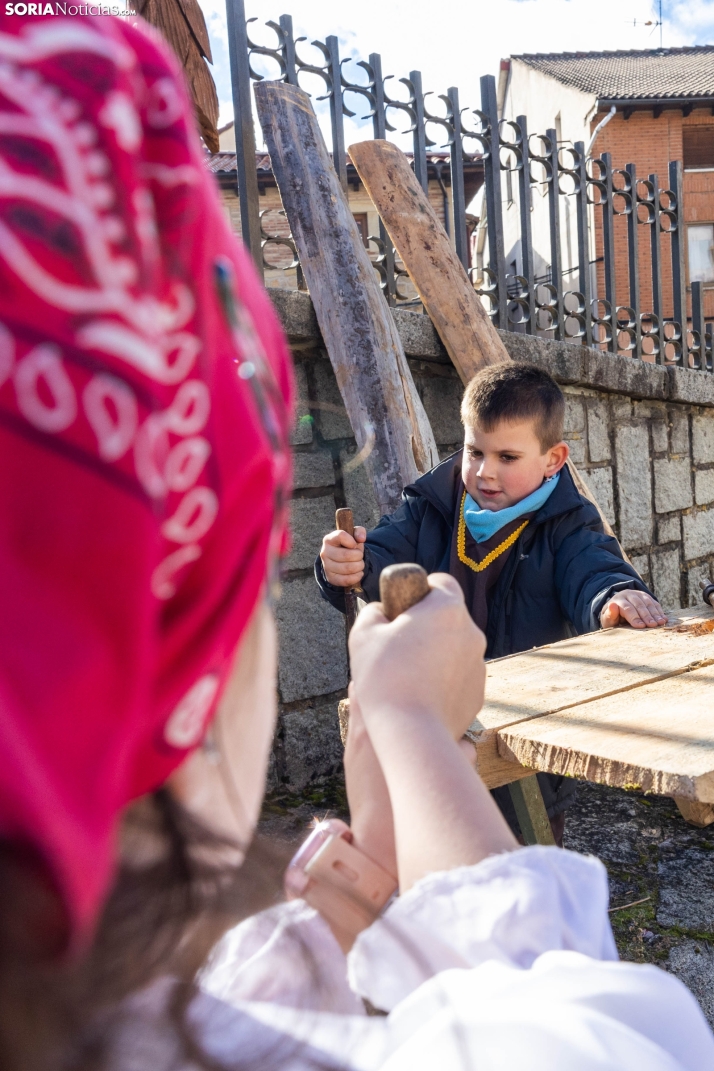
column 642, row 435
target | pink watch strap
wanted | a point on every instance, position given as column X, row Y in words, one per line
column 347, row 887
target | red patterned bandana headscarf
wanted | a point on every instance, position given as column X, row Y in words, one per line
column 144, row 387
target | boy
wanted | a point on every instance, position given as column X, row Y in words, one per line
column 503, row 516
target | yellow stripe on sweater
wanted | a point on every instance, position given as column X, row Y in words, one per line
column 478, row 567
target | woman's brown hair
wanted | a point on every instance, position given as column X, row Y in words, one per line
column 173, row 897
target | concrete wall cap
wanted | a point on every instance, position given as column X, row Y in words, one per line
column 567, row 362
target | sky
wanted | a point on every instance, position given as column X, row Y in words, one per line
column 454, row 42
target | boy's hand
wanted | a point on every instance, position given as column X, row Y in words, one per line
column 342, row 557
column 636, row 607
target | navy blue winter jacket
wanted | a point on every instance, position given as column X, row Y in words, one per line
column 558, row 576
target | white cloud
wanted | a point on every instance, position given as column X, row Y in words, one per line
column 455, row 42
column 693, row 19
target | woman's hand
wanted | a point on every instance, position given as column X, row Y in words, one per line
column 419, row 682
column 429, row 659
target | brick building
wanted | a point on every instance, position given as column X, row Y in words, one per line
column 278, row 255
column 663, row 103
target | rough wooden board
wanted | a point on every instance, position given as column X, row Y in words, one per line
column 385, row 411
column 493, row 770
column 548, row 679
column 610, row 670
column 538, row 682
column 658, row 738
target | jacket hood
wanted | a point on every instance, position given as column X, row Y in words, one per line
column 438, row 486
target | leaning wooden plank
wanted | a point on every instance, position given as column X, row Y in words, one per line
column 446, row 292
column 382, row 403
column 540, row 682
column 658, row 738
column 429, row 257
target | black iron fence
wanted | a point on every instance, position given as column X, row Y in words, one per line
column 578, row 303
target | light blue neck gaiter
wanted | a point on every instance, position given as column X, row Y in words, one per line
column 484, row 523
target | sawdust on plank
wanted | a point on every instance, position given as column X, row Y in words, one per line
column 699, row 629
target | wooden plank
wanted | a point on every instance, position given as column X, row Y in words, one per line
column 385, row 411
column 491, row 767
column 423, row 245
column 658, row 738
column 608, row 667
column 562, row 675
column 440, row 279
column 595, row 665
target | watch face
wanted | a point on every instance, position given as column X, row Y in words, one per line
column 296, row 880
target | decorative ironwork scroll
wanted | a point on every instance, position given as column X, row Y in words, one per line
column 574, row 298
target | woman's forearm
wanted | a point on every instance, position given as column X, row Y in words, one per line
column 419, row 682
column 371, row 818
column 444, row 816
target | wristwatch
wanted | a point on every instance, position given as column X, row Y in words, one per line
column 348, row 888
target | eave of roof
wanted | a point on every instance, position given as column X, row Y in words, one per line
column 662, row 77
column 662, row 102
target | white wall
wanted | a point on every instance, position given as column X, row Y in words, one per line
column 227, row 139
column 546, row 103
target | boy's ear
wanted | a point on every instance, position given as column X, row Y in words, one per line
column 557, row 456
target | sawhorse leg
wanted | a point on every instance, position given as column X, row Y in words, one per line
column 530, row 811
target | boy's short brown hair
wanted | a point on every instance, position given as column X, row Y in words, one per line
column 510, row 392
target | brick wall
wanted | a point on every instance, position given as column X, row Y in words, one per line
column 643, row 436
column 650, row 144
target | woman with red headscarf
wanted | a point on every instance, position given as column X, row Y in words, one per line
column 144, row 406
column 144, row 400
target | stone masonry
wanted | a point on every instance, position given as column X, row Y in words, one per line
column 642, row 435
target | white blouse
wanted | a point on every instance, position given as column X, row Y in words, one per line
column 509, row 964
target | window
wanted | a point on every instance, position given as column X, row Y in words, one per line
column 509, row 186
column 362, row 226
column 698, row 146
column 700, row 244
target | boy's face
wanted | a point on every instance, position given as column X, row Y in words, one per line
column 504, row 465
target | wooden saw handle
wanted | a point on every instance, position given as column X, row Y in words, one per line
column 344, row 521
column 401, row 586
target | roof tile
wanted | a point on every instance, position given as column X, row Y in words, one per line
column 636, row 75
